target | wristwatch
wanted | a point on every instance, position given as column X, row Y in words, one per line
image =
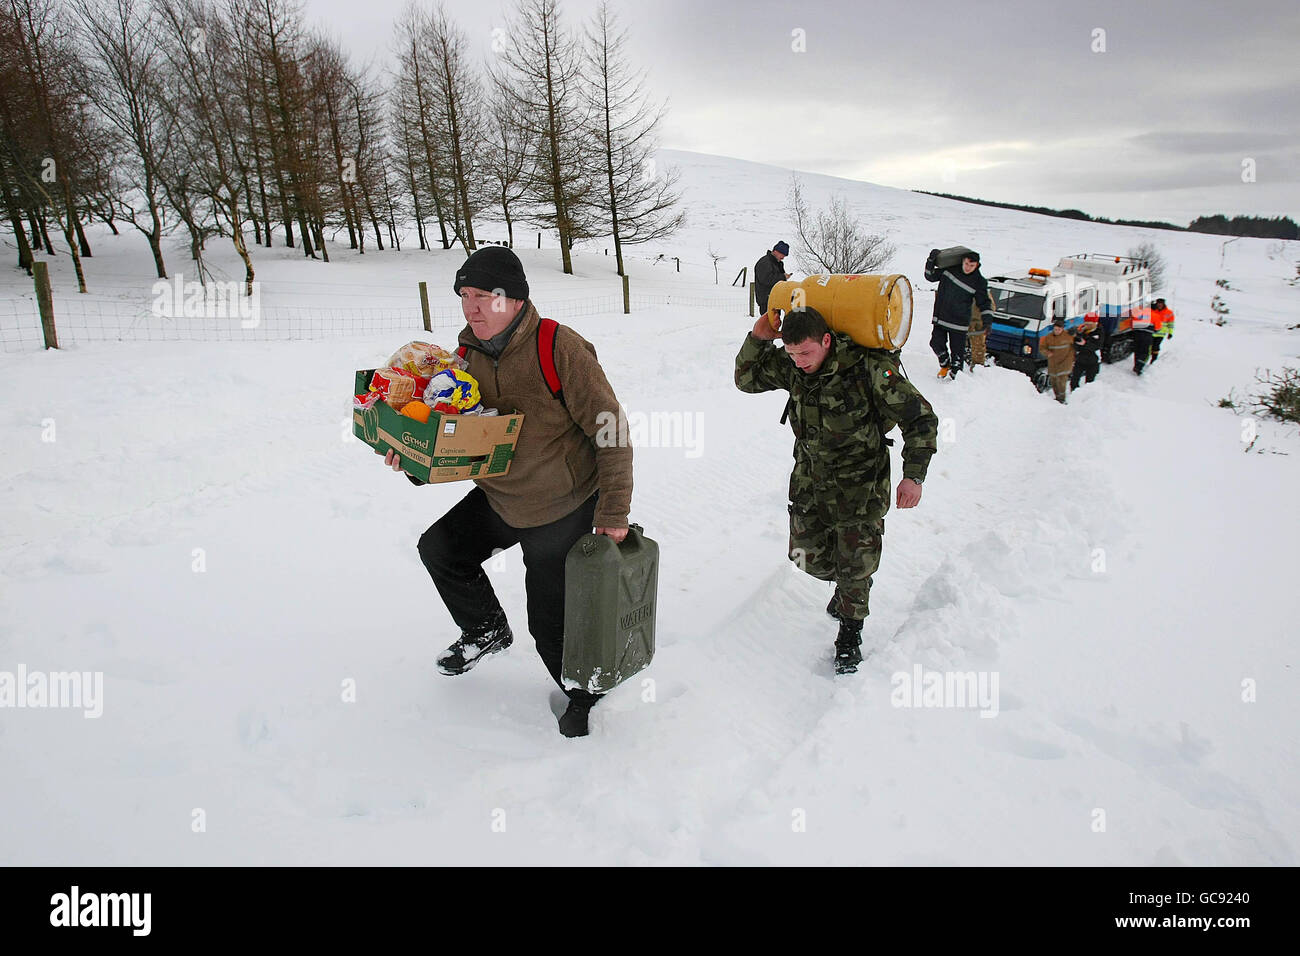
column 916, row 480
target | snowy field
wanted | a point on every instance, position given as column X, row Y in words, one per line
column 194, row 520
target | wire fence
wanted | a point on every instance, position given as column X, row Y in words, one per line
column 81, row 320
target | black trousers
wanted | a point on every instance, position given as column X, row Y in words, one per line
column 949, row 345
column 1141, row 349
column 1086, row 365
column 455, row 547
column 1155, row 347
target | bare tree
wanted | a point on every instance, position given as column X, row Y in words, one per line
column 640, row 205
column 459, row 118
column 200, row 50
column 121, row 80
column 416, row 100
column 46, row 62
column 507, row 149
column 1156, row 267
column 372, row 158
column 540, row 72
column 831, row 240
column 716, row 257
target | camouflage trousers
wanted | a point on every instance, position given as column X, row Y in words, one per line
column 838, row 548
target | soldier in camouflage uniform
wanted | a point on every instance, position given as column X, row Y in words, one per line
column 844, row 399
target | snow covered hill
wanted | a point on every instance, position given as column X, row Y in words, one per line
column 193, row 520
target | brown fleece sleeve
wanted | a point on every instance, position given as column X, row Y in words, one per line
column 594, row 406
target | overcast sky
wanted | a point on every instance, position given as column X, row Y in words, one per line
column 1004, row 101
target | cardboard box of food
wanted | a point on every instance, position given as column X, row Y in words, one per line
column 446, row 447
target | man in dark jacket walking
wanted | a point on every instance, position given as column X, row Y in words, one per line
column 768, row 271
column 959, row 287
column 561, row 484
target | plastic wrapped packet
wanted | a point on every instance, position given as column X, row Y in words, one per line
column 424, row 360
column 395, row 386
column 452, row 391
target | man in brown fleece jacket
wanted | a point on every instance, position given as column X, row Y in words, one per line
column 561, row 484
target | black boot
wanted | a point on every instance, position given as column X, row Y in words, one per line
column 573, row 722
column 833, row 609
column 488, row 638
column 848, row 647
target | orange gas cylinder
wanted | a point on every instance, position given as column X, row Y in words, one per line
column 875, row 311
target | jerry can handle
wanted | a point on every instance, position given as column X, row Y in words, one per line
column 590, row 541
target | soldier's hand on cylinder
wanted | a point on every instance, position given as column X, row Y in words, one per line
column 763, row 327
column 618, row 534
column 909, row 494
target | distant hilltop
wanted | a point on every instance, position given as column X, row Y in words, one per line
column 1280, row 227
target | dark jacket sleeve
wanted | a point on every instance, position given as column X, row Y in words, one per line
column 932, row 273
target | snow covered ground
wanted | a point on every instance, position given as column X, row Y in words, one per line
column 194, row 520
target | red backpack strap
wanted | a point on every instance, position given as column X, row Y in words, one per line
column 546, row 358
column 463, row 351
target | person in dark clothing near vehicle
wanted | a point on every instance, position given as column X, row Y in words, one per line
column 561, row 483
column 1142, row 333
column 1087, row 353
column 768, row 271
column 1162, row 326
column 959, row 287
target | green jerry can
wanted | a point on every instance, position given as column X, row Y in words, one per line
column 609, row 609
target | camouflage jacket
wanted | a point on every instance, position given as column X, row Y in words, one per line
column 840, row 415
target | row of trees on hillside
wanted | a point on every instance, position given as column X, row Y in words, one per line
column 233, row 119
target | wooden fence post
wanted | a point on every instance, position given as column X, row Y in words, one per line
column 751, row 300
column 627, row 297
column 45, row 300
column 424, row 305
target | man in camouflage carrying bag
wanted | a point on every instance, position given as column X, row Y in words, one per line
column 844, row 399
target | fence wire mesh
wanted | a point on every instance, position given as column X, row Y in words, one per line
column 81, row 320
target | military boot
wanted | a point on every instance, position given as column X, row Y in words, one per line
column 573, row 722
column 488, row 638
column 833, row 609
column 848, row 647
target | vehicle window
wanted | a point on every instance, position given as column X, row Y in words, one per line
column 1024, row 305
